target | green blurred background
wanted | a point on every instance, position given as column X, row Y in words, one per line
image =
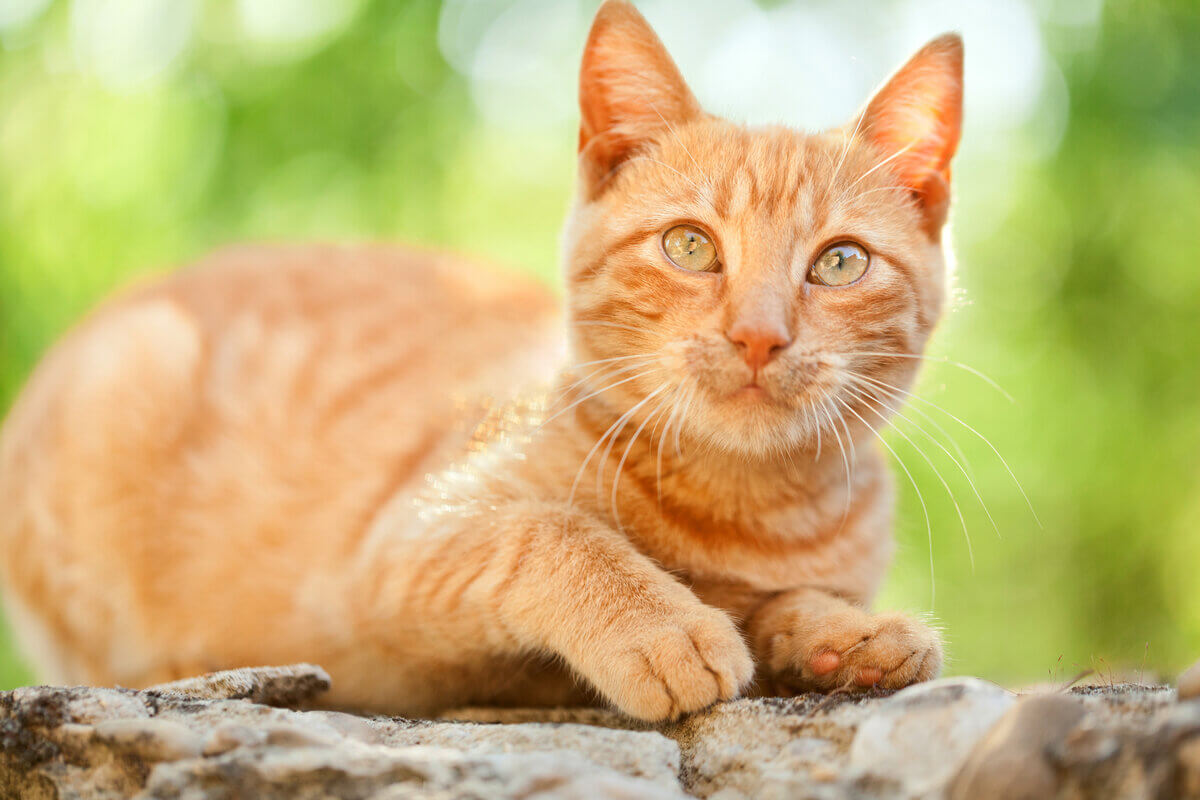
column 136, row 135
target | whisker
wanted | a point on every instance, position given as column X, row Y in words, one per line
column 625, row 455
column 593, row 394
column 920, row 497
column 606, row 372
column 983, row 438
column 937, row 360
column 595, row 377
column 687, row 409
column 845, row 460
column 675, row 133
column 962, row 520
column 969, row 471
column 866, row 192
column 893, row 395
column 603, row 462
column 665, row 165
column 892, row 157
column 573, row 367
column 605, row 324
column 817, row 425
column 621, row 421
column 675, row 406
column 850, row 441
column 845, row 150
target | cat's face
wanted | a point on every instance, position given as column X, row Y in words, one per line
column 761, row 280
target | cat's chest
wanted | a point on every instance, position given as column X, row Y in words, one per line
column 833, row 540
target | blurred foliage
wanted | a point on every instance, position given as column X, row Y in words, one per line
column 1081, row 296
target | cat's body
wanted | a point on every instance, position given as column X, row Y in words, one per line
column 335, row 454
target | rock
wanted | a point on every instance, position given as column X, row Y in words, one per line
column 915, row 740
column 1189, row 682
column 227, row 736
column 271, row 686
column 769, row 748
column 150, row 740
column 356, row 770
column 1129, row 755
column 1011, row 760
column 641, row 754
column 1188, row 783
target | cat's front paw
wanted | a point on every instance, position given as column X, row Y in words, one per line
column 674, row 663
column 853, row 649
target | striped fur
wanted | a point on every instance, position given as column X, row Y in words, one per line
column 333, row 454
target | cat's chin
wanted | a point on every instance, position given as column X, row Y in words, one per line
column 752, row 393
column 753, row 421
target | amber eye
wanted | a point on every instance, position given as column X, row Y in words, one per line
column 691, row 248
column 839, row 265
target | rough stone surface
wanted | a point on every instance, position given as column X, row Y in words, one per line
column 227, row 736
column 1012, row 762
column 1189, row 682
column 915, row 739
column 270, row 686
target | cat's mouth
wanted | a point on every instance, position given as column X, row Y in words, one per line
column 752, row 391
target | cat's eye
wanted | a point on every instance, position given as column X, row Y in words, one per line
column 690, row 248
column 839, row 265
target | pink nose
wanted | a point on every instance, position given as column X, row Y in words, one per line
column 758, row 342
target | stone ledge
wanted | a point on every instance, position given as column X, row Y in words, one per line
column 230, row 735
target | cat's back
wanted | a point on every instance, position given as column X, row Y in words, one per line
column 269, row 398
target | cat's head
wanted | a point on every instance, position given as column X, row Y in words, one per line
column 759, row 279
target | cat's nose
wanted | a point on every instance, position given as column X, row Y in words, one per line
column 758, row 342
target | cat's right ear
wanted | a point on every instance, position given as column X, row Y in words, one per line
column 915, row 121
column 629, row 91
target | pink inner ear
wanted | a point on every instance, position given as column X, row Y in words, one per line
column 629, row 88
column 916, row 118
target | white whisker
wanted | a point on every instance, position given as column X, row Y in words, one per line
column 937, row 360
column 970, row 481
column 983, row 438
column 890, row 158
column 605, row 324
column 593, row 394
column 691, row 396
column 866, row 192
column 962, row 520
column 675, row 406
column 845, row 150
column 595, row 375
column 675, row 133
column 920, row 497
column 621, row 421
column 625, row 455
column 845, row 459
column 665, row 165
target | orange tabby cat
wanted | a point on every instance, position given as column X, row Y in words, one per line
column 313, row 453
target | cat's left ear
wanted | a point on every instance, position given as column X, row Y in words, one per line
column 630, row 90
column 915, row 120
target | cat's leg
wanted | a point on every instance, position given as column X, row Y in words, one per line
column 810, row 640
column 535, row 580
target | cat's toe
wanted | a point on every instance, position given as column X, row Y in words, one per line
column 677, row 667
column 856, row 650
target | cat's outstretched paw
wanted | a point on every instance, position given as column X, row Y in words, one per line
column 682, row 662
column 852, row 649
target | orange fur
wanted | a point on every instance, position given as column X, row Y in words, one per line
column 323, row 454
